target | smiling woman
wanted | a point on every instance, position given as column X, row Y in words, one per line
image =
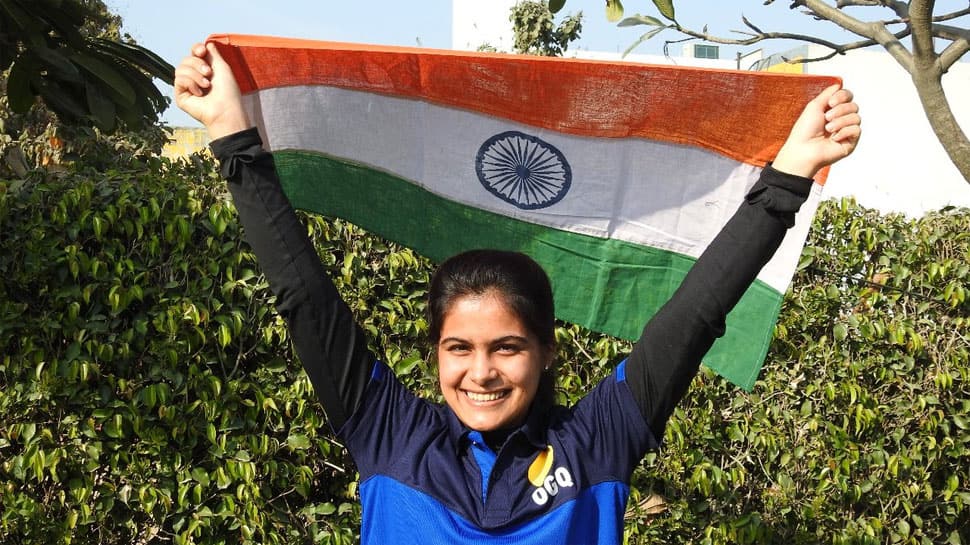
column 499, row 462
column 492, row 323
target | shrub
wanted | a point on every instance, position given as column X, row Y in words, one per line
column 859, row 429
column 148, row 392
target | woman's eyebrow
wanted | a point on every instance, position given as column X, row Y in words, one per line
column 503, row 339
column 507, row 338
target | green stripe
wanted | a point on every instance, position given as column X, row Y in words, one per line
column 606, row 285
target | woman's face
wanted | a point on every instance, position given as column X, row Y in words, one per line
column 489, row 364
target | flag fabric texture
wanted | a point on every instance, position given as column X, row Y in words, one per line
column 613, row 176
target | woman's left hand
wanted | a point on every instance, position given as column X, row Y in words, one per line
column 827, row 131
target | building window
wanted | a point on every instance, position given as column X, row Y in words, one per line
column 705, row 51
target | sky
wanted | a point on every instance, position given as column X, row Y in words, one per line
column 170, row 30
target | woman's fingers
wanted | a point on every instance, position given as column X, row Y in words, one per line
column 840, row 96
column 190, row 79
column 850, row 134
column 841, row 122
column 193, row 74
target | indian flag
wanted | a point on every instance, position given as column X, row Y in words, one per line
column 614, row 176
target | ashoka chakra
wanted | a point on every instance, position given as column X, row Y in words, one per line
column 523, row 170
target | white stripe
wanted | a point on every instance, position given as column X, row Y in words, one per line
column 663, row 195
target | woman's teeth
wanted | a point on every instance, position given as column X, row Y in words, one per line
column 474, row 396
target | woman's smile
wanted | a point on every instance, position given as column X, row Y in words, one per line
column 485, row 397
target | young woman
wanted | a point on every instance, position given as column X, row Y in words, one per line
column 499, row 462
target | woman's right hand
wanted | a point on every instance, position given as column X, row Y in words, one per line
column 206, row 89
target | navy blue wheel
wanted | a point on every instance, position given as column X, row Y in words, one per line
column 523, row 170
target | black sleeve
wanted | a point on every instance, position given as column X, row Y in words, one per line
column 669, row 352
column 330, row 344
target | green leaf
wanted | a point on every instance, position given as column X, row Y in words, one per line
column 73, row 351
column 200, row 476
column 276, row 365
column 64, row 100
column 28, row 432
column 137, row 56
column 406, row 365
column 640, row 20
column 556, row 5
column 840, row 331
column 222, row 480
column 58, row 65
column 643, row 38
column 102, row 109
column 108, row 74
column 19, row 94
column 63, row 19
column 22, row 25
column 112, row 427
column 832, row 292
column 298, row 442
column 225, row 335
column 614, row 10
column 666, row 8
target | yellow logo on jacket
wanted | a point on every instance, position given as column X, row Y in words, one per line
column 547, row 485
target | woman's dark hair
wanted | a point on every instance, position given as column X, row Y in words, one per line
column 521, row 281
column 518, row 278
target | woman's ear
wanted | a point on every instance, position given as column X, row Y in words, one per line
column 549, row 357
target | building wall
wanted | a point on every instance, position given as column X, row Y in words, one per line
column 899, row 166
column 185, row 141
column 476, row 22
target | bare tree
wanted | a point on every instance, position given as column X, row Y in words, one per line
column 917, row 20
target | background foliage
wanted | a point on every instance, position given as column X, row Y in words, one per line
column 535, row 32
column 91, row 81
column 148, row 393
column 71, row 55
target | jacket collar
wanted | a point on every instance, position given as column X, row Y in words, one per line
column 533, row 430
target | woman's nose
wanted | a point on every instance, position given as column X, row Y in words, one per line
column 482, row 370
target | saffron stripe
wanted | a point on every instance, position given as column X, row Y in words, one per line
column 714, row 109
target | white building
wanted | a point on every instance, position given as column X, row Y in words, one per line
column 899, row 166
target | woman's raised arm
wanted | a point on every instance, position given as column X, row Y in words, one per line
column 330, row 344
column 669, row 352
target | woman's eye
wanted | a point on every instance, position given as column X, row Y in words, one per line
column 508, row 348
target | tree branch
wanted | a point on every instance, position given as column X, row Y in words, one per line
column 755, row 38
column 921, row 14
column 903, row 18
column 950, row 32
column 949, row 16
column 847, row 3
column 832, row 14
column 956, row 50
column 759, row 35
column 900, row 8
column 842, row 49
column 874, row 31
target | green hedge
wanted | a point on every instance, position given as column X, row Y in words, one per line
column 859, row 431
column 148, row 392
